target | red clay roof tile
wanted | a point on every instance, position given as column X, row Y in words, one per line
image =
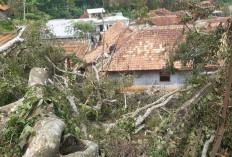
column 75, row 47
column 145, row 51
column 5, row 37
column 165, row 20
column 4, row 8
column 117, row 34
column 84, row 16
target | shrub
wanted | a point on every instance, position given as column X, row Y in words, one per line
column 6, row 26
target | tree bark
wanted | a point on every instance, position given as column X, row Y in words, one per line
column 46, row 143
column 221, row 129
column 206, row 146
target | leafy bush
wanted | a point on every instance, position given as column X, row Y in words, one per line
column 32, row 16
column 37, row 16
column 6, row 26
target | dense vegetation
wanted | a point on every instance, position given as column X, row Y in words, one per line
column 180, row 128
column 36, row 9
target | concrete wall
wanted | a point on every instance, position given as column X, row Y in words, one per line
column 108, row 24
column 2, row 15
column 145, row 78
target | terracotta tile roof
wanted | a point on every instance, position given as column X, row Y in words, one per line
column 118, row 33
column 214, row 22
column 5, row 37
column 160, row 12
column 145, row 51
column 84, row 16
column 4, row 8
column 165, row 20
column 206, row 2
column 75, row 47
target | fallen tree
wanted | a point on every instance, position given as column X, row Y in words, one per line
column 48, row 130
column 10, row 43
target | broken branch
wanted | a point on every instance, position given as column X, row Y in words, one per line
column 149, row 111
column 67, row 72
column 206, row 146
column 13, row 41
column 158, row 101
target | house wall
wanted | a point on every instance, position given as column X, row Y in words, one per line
column 146, row 78
column 2, row 15
column 108, row 24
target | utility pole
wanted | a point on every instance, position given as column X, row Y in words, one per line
column 24, row 9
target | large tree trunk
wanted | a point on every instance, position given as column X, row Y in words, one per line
column 46, row 142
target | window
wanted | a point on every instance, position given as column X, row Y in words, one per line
column 164, row 77
column 101, row 28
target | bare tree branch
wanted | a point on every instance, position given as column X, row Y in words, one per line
column 206, row 146
column 149, row 111
column 67, row 72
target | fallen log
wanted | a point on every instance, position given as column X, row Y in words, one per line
column 91, row 150
column 13, row 41
column 46, row 142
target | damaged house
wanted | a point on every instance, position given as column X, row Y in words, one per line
column 144, row 57
column 62, row 30
column 140, row 53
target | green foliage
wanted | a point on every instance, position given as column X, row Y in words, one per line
column 82, row 29
column 18, row 127
column 127, row 127
column 153, row 121
column 6, row 26
column 37, row 16
column 2, row 2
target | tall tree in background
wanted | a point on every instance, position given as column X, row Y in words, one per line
column 16, row 7
column 155, row 4
column 56, row 8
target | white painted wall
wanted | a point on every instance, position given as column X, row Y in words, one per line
column 145, row 78
column 2, row 15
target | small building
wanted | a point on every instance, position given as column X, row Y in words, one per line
column 3, row 11
column 62, row 28
column 143, row 56
column 103, row 23
column 140, row 53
